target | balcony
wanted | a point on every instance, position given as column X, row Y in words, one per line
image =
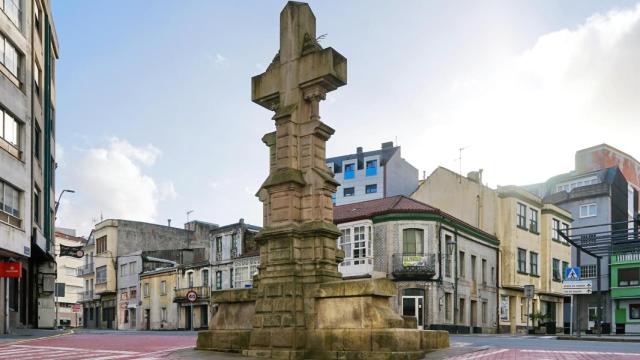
column 204, row 292
column 86, row 269
column 86, row 295
column 414, row 266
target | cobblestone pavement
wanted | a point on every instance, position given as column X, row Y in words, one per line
column 99, row 346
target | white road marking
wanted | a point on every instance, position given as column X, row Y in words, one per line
column 486, row 354
column 580, row 352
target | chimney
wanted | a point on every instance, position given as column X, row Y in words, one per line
column 359, row 150
column 169, row 222
column 480, row 176
column 387, row 145
column 474, row 176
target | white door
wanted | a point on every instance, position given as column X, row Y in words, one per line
column 413, row 306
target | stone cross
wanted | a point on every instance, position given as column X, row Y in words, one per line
column 299, row 187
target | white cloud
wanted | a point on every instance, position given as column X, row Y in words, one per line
column 220, row 59
column 111, row 181
column 571, row 89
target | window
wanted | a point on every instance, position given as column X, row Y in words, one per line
column 574, row 184
column 36, row 18
column 36, row 142
column 372, row 168
column 163, row 314
column 205, row 277
column 447, row 306
column 371, row 189
column 234, row 245
column 244, row 276
column 523, row 309
column 123, row 270
column 101, row 244
column 555, row 227
column 36, row 78
column 533, row 221
column 629, row 277
column 218, row 280
column 484, row 271
column 533, row 262
column 163, row 287
column 413, row 241
column 9, row 129
column 461, row 267
column 12, row 9
column 634, row 311
column 349, row 171
column 9, row 203
column 190, row 279
column 231, row 277
column 36, row 206
column 447, row 258
column 588, row 271
column 522, row 215
column 556, row 270
column 9, row 56
column 218, row 248
column 359, row 245
column 522, row 260
column 473, row 267
column 565, row 229
column 132, row 268
column 348, row 192
column 133, row 293
column 504, row 308
column 565, row 265
column 101, row 274
column 126, row 316
column 145, row 290
column 588, row 210
column 462, row 310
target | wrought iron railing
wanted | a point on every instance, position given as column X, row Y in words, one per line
column 414, row 265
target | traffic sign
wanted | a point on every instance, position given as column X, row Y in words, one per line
column 192, row 296
column 572, row 273
column 76, row 307
column 529, row 290
column 577, row 287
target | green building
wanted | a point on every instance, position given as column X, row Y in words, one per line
column 625, row 291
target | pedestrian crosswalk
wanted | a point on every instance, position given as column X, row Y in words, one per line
column 30, row 352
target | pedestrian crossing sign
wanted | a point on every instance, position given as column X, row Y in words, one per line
column 572, row 274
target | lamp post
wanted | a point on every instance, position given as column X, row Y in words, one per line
column 55, row 214
column 451, row 252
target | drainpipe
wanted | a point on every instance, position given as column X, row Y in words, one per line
column 497, row 279
column 6, row 305
column 456, row 308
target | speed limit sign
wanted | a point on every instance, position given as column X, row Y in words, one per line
column 192, row 296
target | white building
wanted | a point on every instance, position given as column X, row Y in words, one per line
column 68, row 306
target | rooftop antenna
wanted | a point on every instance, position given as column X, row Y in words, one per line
column 189, row 213
column 460, row 162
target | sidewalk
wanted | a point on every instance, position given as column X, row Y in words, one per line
column 453, row 352
column 19, row 335
column 607, row 338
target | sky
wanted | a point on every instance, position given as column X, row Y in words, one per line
column 154, row 116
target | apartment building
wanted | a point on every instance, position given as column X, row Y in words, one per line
column 531, row 252
column 27, row 162
column 159, row 311
column 372, row 175
column 444, row 268
column 596, row 199
column 625, row 292
column 194, row 277
column 112, row 239
column 68, row 308
column 234, row 255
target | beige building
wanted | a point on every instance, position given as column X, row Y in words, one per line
column 159, row 311
column 531, row 252
column 197, row 278
column 67, row 267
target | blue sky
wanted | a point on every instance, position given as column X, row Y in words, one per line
column 155, row 118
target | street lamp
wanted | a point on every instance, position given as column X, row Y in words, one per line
column 451, row 252
column 60, row 197
column 55, row 289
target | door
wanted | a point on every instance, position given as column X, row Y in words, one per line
column 474, row 314
column 204, row 316
column 98, row 324
column 85, row 313
column 593, row 316
column 187, row 317
column 108, row 315
column 147, row 319
column 132, row 318
column 413, row 306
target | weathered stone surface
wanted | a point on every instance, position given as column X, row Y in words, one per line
column 434, row 339
column 223, row 340
column 233, row 316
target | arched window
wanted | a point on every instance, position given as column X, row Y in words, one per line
column 413, row 241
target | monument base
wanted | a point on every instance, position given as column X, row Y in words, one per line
column 346, row 320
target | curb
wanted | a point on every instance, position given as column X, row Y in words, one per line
column 453, row 352
column 603, row 339
column 37, row 338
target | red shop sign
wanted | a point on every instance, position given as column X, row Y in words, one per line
column 10, row 269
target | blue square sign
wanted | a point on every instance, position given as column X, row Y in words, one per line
column 572, row 274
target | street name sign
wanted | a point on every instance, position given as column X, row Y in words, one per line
column 577, row 287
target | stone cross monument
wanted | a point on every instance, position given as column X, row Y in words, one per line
column 299, row 306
